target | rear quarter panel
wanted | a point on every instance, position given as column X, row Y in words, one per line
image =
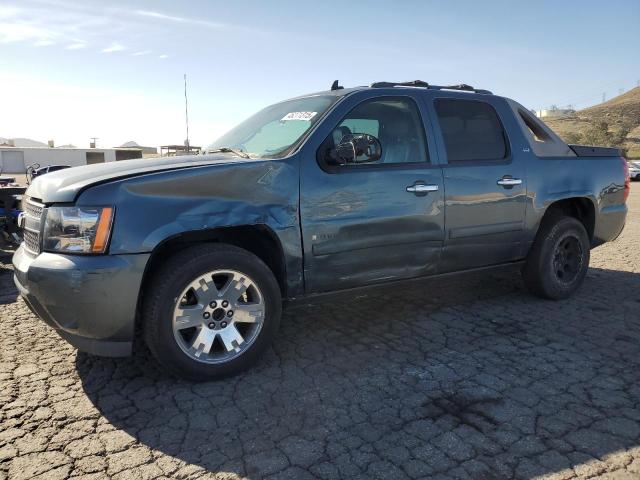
column 599, row 179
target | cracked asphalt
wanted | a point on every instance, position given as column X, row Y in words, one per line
column 464, row 378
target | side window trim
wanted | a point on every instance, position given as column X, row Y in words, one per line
column 423, row 125
column 442, row 151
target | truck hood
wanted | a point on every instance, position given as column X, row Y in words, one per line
column 65, row 185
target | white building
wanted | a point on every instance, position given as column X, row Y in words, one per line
column 554, row 112
column 17, row 159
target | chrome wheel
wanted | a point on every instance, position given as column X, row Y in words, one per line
column 218, row 316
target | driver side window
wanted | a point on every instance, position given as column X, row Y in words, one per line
column 394, row 121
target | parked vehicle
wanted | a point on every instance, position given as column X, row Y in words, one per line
column 36, row 170
column 10, row 198
column 6, row 181
column 634, row 170
column 337, row 190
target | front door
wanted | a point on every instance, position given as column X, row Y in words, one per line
column 371, row 222
column 484, row 181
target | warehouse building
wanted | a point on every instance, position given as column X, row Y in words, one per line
column 17, row 159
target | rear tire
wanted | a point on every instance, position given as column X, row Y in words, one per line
column 210, row 311
column 559, row 259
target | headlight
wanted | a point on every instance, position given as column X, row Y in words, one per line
column 77, row 229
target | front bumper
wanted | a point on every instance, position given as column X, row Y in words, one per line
column 89, row 300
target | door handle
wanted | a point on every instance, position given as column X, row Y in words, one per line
column 422, row 188
column 509, row 182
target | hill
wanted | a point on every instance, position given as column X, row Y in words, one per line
column 22, row 142
column 614, row 123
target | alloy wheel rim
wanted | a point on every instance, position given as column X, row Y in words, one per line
column 218, row 316
column 567, row 259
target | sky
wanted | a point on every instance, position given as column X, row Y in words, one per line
column 73, row 70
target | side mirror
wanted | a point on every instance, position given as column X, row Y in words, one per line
column 357, row 148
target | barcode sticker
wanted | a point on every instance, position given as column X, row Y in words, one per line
column 305, row 116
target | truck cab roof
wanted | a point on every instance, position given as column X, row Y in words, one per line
column 338, row 90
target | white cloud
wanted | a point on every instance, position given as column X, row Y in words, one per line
column 72, row 25
column 75, row 25
column 8, row 11
column 163, row 56
column 177, row 19
column 114, row 47
column 43, row 43
column 15, row 32
column 195, row 21
column 76, row 46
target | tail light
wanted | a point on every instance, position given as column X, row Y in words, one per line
column 627, row 178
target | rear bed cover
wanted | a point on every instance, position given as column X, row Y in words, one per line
column 589, row 151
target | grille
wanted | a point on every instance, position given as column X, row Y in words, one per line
column 31, row 241
column 32, row 209
column 33, row 215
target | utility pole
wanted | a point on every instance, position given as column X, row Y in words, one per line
column 604, row 97
column 93, row 144
column 186, row 112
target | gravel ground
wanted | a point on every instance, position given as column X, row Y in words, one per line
column 463, row 378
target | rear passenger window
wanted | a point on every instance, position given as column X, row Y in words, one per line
column 471, row 129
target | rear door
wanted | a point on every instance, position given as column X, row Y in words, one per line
column 484, row 181
column 367, row 223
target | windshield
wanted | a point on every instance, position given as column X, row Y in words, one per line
column 275, row 130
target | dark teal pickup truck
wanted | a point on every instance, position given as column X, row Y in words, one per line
column 343, row 189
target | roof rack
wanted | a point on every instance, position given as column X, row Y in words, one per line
column 421, row 84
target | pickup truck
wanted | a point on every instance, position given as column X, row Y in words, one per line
column 343, row 189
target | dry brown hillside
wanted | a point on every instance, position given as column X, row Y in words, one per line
column 614, row 123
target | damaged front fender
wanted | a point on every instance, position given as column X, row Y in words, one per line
column 155, row 207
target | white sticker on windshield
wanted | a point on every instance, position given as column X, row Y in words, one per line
column 306, row 116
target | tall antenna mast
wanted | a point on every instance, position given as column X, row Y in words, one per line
column 186, row 112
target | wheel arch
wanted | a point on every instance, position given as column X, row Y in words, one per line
column 581, row 208
column 258, row 239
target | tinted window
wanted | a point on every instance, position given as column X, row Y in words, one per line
column 396, row 122
column 471, row 129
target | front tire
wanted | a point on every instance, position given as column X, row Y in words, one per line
column 559, row 259
column 210, row 311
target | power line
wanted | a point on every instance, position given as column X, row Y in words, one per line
column 580, row 100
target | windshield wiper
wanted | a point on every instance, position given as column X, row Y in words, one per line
column 239, row 153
